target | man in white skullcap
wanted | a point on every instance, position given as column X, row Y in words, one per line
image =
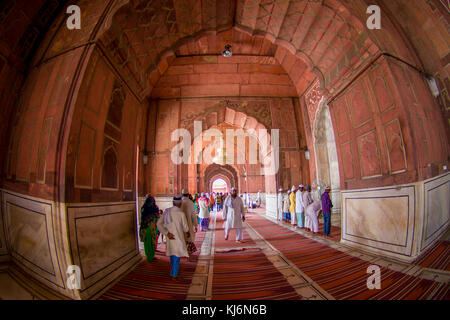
column 307, row 200
column 174, row 226
column 187, row 206
column 326, row 209
column 292, row 206
column 280, row 205
column 312, row 211
column 234, row 215
column 299, row 208
column 286, row 213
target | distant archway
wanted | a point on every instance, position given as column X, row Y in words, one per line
column 219, row 185
column 225, row 172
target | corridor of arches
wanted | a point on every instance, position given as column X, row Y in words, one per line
column 92, row 118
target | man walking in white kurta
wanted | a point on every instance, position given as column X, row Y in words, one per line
column 174, row 226
column 234, row 215
column 187, row 206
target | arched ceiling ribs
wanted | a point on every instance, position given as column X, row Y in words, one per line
column 144, row 36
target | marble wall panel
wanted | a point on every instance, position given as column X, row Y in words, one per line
column 103, row 241
column 436, row 195
column 271, row 205
column 30, row 233
column 164, row 202
column 381, row 219
column 401, row 221
column 3, row 247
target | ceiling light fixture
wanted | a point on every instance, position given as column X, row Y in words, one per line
column 227, row 52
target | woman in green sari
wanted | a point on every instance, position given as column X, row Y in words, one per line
column 196, row 206
column 148, row 231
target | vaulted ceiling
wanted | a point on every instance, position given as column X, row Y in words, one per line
column 329, row 40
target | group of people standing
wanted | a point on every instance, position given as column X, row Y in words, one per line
column 180, row 222
column 250, row 203
column 296, row 206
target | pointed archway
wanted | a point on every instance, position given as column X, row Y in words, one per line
column 219, row 185
column 326, row 157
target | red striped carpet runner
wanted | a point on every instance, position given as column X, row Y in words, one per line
column 220, row 241
column 151, row 280
column 436, row 257
column 342, row 275
column 248, row 275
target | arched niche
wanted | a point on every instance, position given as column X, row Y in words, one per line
column 110, row 176
column 326, row 154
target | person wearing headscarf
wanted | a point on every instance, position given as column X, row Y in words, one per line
column 307, row 200
column 312, row 211
column 203, row 203
column 234, row 215
column 148, row 231
column 299, row 207
column 196, row 203
column 187, row 206
column 292, row 206
column 326, row 209
column 174, row 225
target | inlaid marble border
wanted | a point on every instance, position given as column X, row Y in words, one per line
column 4, row 254
column 102, row 278
column 408, row 191
column 54, row 278
column 418, row 212
column 428, row 186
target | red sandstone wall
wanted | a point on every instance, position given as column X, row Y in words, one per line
column 426, row 24
column 219, row 76
column 107, row 117
column 32, row 156
column 387, row 128
column 164, row 178
column 18, row 34
column 37, row 124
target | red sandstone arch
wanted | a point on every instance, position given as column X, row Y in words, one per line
column 235, row 119
column 215, row 171
column 217, row 177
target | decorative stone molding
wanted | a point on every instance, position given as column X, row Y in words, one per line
column 401, row 221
